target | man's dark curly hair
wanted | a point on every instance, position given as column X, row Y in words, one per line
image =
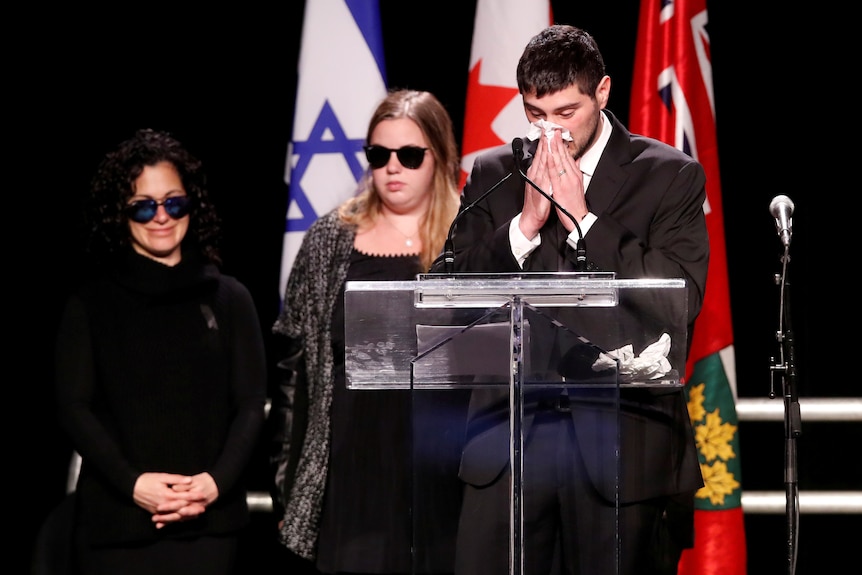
column 558, row 57
column 106, row 222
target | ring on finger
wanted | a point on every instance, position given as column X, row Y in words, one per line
column 562, row 173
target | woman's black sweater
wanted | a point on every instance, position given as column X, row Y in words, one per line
column 160, row 369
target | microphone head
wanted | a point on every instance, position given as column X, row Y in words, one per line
column 518, row 146
column 777, row 202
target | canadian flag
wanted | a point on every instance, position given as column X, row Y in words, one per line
column 494, row 114
column 672, row 100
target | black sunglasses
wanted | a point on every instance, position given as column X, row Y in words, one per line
column 411, row 157
column 142, row 211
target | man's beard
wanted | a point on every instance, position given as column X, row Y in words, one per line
column 581, row 149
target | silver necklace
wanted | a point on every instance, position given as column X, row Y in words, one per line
column 408, row 240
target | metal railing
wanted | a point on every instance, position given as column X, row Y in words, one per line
column 811, row 409
column 761, row 502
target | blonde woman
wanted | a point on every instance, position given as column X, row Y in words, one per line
column 343, row 463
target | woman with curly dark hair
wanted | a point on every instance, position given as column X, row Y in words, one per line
column 161, row 374
column 107, row 216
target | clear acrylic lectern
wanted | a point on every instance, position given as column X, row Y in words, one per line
column 519, row 340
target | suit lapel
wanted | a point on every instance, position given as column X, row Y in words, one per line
column 611, row 173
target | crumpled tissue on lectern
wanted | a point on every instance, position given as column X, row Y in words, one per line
column 652, row 363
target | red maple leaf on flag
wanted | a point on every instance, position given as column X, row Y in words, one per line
column 484, row 104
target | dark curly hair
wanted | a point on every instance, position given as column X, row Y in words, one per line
column 106, row 223
column 558, row 57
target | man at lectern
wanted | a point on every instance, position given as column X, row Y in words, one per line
column 636, row 205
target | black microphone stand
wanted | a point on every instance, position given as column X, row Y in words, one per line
column 449, row 244
column 792, row 416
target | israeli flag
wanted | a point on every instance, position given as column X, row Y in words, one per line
column 341, row 80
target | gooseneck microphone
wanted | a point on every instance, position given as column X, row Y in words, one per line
column 517, row 154
column 581, row 246
column 448, row 246
column 781, row 208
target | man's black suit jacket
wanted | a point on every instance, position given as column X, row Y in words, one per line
column 649, row 199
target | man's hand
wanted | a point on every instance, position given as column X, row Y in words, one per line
column 567, row 180
column 536, row 206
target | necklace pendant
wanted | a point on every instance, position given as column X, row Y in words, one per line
column 409, row 242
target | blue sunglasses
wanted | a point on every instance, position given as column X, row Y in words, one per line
column 142, row 211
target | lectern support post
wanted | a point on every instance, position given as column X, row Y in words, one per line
column 516, row 446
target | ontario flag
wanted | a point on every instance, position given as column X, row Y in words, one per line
column 494, row 112
column 672, row 100
column 341, row 80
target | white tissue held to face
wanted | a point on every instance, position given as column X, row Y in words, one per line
column 540, row 127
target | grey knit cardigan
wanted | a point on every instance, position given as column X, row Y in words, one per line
column 316, row 278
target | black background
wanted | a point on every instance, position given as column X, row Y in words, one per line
column 224, row 83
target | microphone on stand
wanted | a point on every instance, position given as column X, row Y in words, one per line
column 581, row 246
column 448, row 245
column 781, row 208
